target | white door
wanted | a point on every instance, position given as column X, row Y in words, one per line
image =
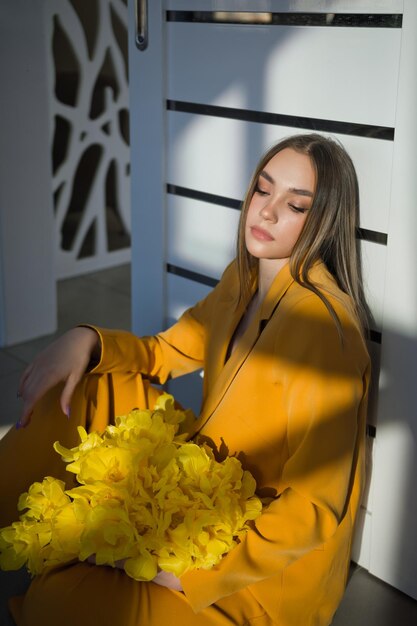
column 210, row 90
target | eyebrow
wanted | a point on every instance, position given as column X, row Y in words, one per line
column 298, row 192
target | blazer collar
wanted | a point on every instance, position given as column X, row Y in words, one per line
column 225, row 373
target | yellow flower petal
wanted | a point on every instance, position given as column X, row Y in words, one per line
column 142, row 567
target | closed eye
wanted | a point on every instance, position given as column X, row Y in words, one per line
column 261, row 192
column 297, row 209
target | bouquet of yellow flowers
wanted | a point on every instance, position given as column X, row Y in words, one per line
column 145, row 496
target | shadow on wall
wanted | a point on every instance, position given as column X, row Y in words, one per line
column 397, row 424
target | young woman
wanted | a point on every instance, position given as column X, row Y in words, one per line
column 281, row 340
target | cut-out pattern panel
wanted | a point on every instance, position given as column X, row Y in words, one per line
column 90, row 131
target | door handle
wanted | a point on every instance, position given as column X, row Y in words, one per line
column 141, row 24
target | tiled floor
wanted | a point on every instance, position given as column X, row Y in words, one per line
column 103, row 298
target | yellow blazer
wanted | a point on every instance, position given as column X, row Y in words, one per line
column 290, row 402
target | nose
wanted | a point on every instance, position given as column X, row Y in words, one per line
column 269, row 212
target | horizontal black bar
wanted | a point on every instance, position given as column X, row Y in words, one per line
column 371, row 431
column 362, row 233
column 278, row 119
column 212, row 198
column 372, row 235
column 265, row 18
column 195, row 276
column 375, row 336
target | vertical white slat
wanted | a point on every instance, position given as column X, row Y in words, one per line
column 147, row 99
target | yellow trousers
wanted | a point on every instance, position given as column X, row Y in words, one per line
column 81, row 594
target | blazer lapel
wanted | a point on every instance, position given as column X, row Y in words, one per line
column 230, row 313
column 222, row 374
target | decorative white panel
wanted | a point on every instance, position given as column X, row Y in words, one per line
column 292, row 70
column 218, row 155
column 89, row 94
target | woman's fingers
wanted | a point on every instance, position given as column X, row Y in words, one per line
column 166, row 579
column 31, row 390
column 69, row 387
column 64, row 361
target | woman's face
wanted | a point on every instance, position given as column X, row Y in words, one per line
column 279, row 206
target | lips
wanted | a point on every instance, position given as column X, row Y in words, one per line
column 260, row 234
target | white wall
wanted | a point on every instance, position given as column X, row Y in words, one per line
column 27, row 283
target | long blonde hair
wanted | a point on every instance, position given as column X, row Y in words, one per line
column 330, row 230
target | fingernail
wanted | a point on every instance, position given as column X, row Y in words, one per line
column 18, row 424
column 68, row 412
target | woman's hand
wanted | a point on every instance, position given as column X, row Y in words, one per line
column 165, row 579
column 65, row 360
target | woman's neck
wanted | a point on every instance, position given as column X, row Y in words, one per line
column 268, row 269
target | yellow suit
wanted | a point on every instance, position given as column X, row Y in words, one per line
column 290, row 402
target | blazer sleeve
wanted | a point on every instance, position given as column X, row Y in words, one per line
column 178, row 350
column 324, row 388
